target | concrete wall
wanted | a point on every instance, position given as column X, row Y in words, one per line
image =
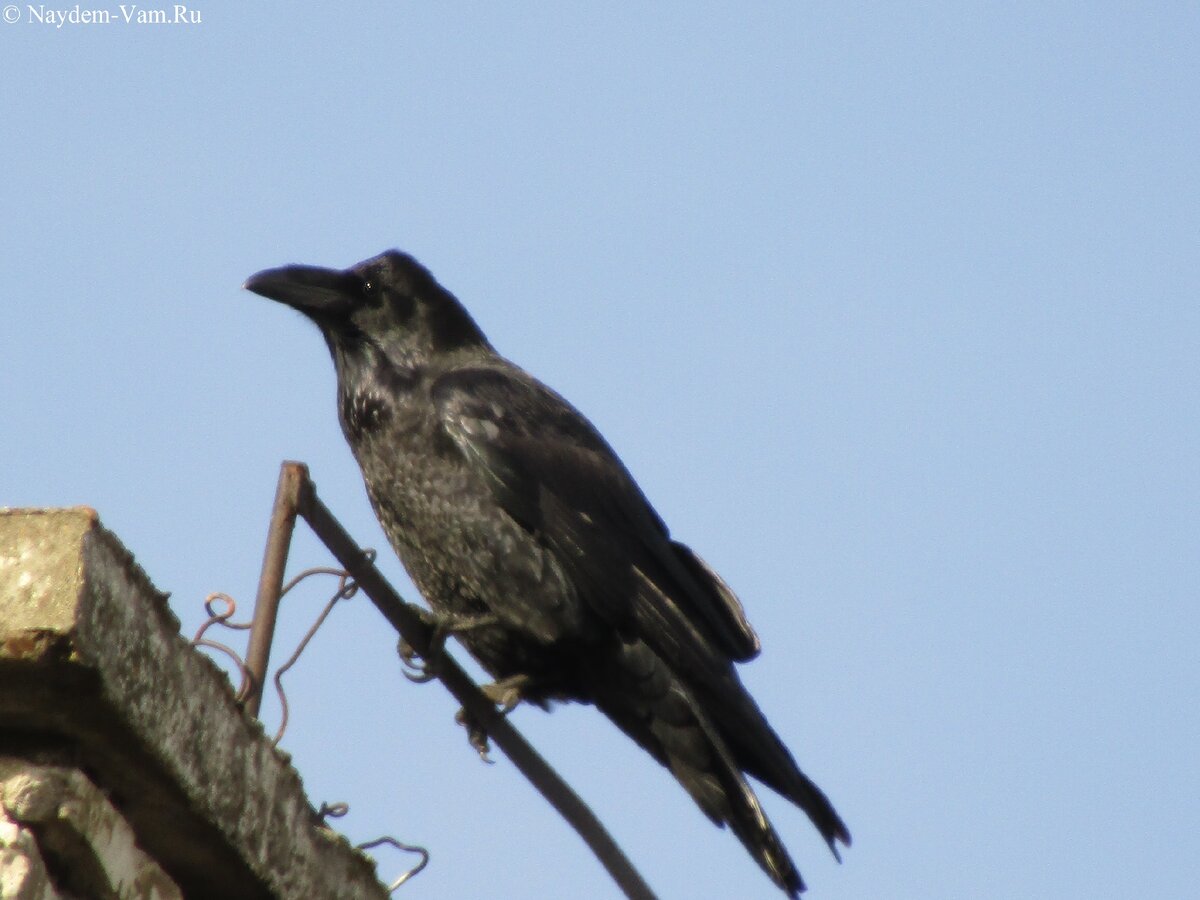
column 127, row 769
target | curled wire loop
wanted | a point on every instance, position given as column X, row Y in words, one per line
column 221, row 608
column 333, row 810
column 339, row 809
column 407, row 848
column 221, row 617
column 346, row 588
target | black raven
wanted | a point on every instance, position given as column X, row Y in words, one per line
column 513, row 514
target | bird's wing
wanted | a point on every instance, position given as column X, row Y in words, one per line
column 553, row 473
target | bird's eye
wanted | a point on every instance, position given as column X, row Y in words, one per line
column 370, row 288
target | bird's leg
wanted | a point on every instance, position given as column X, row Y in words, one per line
column 443, row 625
column 506, row 694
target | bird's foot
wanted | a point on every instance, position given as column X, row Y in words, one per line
column 477, row 735
column 443, row 625
column 415, row 670
column 506, row 694
column 421, row 671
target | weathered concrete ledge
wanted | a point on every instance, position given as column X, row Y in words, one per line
column 96, row 679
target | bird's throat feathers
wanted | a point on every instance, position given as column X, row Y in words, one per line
column 372, row 389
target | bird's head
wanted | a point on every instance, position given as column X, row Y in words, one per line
column 388, row 306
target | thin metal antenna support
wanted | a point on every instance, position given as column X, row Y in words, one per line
column 292, row 479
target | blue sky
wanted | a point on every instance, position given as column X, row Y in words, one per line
column 892, row 310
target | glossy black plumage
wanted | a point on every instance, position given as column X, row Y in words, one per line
column 500, row 498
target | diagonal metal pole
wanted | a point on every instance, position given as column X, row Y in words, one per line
column 406, row 620
column 292, row 478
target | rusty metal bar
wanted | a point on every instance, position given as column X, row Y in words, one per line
column 292, row 479
column 406, row 620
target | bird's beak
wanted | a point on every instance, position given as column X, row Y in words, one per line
column 314, row 291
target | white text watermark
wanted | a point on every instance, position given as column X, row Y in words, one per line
column 121, row 14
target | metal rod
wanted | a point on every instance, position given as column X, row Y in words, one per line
column 419, row 636
column 292, row 477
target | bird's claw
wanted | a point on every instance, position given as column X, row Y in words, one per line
column 477, row 735
column 414, row 670
column 422, row 668
column 442, row 625
column 418, row 670
column 506, row 694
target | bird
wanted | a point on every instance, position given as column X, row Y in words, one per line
column 533, row 544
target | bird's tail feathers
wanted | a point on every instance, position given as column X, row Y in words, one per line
column 659, row 712
column 743, row 812
column 760, row 752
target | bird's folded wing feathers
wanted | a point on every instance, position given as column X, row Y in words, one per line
column 553, row 473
